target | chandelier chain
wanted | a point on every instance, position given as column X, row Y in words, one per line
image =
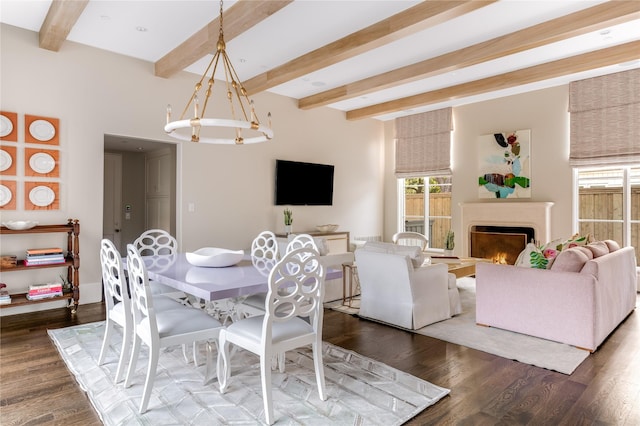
column 236, row 93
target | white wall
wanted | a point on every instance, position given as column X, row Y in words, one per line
column 544, row 112
column 94, row 93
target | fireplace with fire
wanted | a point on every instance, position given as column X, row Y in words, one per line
column 501, row 244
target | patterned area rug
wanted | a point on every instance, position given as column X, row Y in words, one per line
column 462, row 330
column 361, row 391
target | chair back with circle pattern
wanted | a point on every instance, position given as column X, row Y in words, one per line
column 296, row 289
column 264, row 252
column 156, row 241
column 141, row 296
column 302, row 240
column 113, row 278
column 410, row 239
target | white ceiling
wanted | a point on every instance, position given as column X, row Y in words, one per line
column 305, row 25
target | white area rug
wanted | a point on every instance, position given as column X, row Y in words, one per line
column 361, row 391
column 337, row 305
column 462, row 330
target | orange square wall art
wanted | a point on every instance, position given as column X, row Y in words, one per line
column 42, row 196
column 8, row 126
column 8, row 160
column 8, row 195
column 41, row 162
column 43, row 130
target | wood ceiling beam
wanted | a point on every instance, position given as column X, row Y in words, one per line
column 240, row 17
column 575, row 24
column 424, row 15
column 575, row 64
column 60, row 19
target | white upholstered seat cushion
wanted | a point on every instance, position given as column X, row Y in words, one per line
column 251, row 329
column 181, row 321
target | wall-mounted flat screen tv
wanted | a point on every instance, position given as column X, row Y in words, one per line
column 303, row 184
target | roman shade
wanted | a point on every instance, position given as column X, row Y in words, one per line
column 605, row 120
column 423, row 144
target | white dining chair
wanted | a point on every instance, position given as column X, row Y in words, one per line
column 158, row 242
column 264, row 247
column 302, row 240
column 118, row 304
column 408, row 238
column 153, row 242
column 161, row 328
column 264, row 256
column 266, row 264
column 296, row 291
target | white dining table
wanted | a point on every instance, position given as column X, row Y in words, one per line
column 210, row 283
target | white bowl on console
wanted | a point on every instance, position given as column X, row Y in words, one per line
column 214, row 257
column 327, row 228
column 19, row 225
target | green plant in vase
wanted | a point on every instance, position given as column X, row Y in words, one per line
column 449, row 242
column 288, row 220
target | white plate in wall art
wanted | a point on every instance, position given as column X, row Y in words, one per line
column 42, row 130
column 5, row 160
column 42, row 196
column 41, row 162
column 6, row 126
column 5, row 195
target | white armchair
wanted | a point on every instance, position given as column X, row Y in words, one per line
column 395, row 292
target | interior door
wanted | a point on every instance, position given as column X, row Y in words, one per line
column 112, row 205
column 158, row 166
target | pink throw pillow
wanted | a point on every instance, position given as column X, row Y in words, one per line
column 613, row 245
column 585, row 250
column 570, row 260
column 598, row 248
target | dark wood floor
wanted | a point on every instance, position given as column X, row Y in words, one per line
column 36, row 387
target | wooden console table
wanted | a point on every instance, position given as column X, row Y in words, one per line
column 338, row 241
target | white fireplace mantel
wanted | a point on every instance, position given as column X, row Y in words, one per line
column 536, row 215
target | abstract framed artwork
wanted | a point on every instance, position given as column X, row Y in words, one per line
column 505, row 165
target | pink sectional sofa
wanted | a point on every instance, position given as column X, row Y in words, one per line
column 579, row 308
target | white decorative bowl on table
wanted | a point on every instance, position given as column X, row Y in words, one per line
column 214, row 257
column 19, row 225
column 327, row 228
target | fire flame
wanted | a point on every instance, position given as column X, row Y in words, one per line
column 500, row 258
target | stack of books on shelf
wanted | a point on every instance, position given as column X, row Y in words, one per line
column 44, row 291
column 46, row 256
column 5, row 297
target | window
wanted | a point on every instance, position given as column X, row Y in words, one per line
column 413, row 205
column 608, row 204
